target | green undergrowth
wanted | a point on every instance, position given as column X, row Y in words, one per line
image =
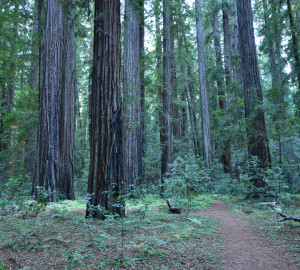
column 148, row 238
column 263, row 216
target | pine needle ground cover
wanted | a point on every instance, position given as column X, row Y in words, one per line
column 148, row 238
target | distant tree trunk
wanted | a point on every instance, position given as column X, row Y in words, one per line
column 47, row 162
column 167, row 92
column 225, row 147
column 258, row 144
column 105, row 173
column 237, row 69
column 33, row 83
column 227, row 43
column 184, row 122
column 132, row 129
column 203, row 90
column 159, row 71
column 67, row 104
column 295, row 41
column 9, row 90
column 175, row 107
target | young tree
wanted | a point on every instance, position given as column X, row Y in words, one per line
column 105, row 174
column 132, row 124
column 203, row 90
column 258, row 144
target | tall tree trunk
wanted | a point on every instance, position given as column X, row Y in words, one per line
column 105, row 173
column 167, row 92
column 258, row 144
column 132, row 129
column 47, row 163
column 142, row 71
column 295, row 43
column 203, row 90
column 237, row 69
column 225, row 147
column 33, row 83
column 175, row 107
column 67, row 104
column 227, row 42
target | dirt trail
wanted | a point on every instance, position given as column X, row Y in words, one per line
column 244, row 248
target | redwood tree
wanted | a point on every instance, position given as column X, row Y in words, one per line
column 258, row 144
column 167, row 91
column 132, row 124
column 55, row 141
column 105, row 172
column 203, row 90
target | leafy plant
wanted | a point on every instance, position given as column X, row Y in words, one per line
column 187, row 179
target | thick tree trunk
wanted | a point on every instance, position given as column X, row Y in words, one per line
column 67, row 104
column 47, row 163
column 203, row 90
column 105, row 173
column 258, row 144
column 167, row 92
column 132, row 129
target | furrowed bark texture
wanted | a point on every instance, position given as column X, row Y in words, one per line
column 142, row 71
column 47, row 163
column 67, row 104
column 203, row 90
column 132, row 125
column 167, row 91
column 256, row 127
column 105, row 181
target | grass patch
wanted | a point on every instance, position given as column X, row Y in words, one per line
column 150, row 238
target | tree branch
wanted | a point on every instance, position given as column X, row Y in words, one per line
column 285, row 217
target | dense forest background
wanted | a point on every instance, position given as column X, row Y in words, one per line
column 186, row 101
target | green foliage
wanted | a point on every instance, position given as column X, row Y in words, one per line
column 188, row 178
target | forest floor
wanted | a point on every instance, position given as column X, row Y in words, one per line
column 209, row 237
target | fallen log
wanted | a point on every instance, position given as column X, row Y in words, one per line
column 285, row 217
column 173, row 209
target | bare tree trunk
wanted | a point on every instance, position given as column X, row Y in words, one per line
column 203, row 90
column 105, row 173
column 256, row 126
column 47, row 163
column 132, row 129
column 167, row 92
column 67, row 104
